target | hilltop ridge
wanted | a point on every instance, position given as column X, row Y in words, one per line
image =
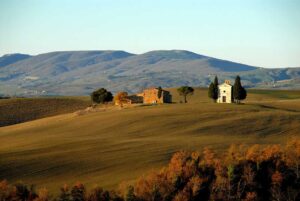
column 80, row 72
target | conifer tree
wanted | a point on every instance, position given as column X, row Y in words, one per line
column 239, row 92
column 216, row 81
column 159, row 92
column 213, row 89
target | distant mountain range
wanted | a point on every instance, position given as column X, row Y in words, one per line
column 80, row 72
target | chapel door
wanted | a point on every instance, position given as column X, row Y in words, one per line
column 224, row 99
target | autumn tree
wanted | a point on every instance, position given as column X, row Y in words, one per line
column 239, row 92
column 292, row 155
column 130, row 194
column 95, row 194
column 101, row 96
column 185, row 91
column 43, row 195
column 23, row 192
column 64, row 194
column 120, row 98
column 276, row 191
column 78, row 192
column 4, row 190
column 98, row 194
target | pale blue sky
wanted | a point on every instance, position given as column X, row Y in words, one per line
column 257, row 32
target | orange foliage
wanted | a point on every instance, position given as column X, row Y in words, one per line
column 43, row 195
column 253, row 153
column 292, row 155
column 4, row 190
column 272, row 152
column 251, row 196
column 120, row 98
column 277, row 178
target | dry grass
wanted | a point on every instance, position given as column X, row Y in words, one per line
column 110, row 146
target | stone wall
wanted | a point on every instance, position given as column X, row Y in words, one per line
column 150, row 96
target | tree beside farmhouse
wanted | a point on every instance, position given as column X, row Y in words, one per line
column 101, row 96
column 121, row 98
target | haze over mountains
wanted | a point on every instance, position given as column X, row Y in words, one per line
column 80, row 72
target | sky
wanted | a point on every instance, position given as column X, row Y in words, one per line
column 263, row 33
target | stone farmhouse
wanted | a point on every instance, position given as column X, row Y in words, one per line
column 154, row 95
column 225, row 92
column 148, row 96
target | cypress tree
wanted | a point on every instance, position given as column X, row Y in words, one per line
column 216, row 84
column 213, row 89
column 216, row 81
column 239, row 92
column 159, row 92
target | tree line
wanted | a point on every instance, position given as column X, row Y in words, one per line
column 243, row 173
column 238, row 93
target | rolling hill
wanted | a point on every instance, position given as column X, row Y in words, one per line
column 114, row 145
column 12, row 58
column 80, row 72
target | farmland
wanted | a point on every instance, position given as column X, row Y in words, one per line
column 113, row 145
column 18, row 110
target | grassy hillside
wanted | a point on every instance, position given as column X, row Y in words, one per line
column 18, row 110
column 113, row 145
